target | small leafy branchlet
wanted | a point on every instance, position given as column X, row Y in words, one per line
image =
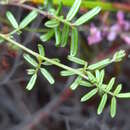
column 89, row 76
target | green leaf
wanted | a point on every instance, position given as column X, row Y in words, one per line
column 30, row 60
column 113, row 107
column 75, row 84
column 86, row 17
column 89, row 95
column 76, row 60
column 85, row 83
column 65, row 35
column 110, row 84
column 47, row 75
column 48, row 4
column 118, row 89
column 118, row 56
column 31, row 82
column 74, row 42
column 1, row 40
column 97, row 75
column 99, row 64
column 47, row 36
column 28, row 19
column 57, row 36
column 66, row 73
column 102, row 74
column 52, row 23
column 12, row 19
column 48, row 63
column 102, row 104
column 90, row 76
column 41, row 50
column 59, row 8
column 73, row 11
column 30, row 71
column 123, row 95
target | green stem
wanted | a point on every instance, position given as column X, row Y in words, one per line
column 38, row 56
column 5, row 37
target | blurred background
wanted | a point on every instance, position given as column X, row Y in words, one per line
column 57, row 107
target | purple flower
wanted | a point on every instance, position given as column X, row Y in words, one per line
column 126, row 38
column 114, row 30
column 95, row 35
column 122, row 22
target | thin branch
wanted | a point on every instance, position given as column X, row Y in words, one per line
column 5, row 37
column 44, row 13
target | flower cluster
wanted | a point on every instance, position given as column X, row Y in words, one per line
column 120, row 28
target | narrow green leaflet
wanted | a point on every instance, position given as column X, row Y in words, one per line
column 99, row 64
column 110, row 84
column 47, row 36
column 66, row 73
column 30, row 60
column 41, row 50
column 73, row 11
column 118, row 89
column 76, row 60
column 28, row 19
column 102, row 104
column 59, row 8
column 48, row 63
column 97, row 72
column 30, row 71
column 86, row 17
column 52, row 23
column 85, row 83
column 12, row 19
column 74, row 42
column 31, row 82
column 102, row 74
column 90, row 76
column 89, row 95
column 47, row 75
column 57, row 36
column 65, row 35
column 123, row 95
column 113, row 107
column 75, row 84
